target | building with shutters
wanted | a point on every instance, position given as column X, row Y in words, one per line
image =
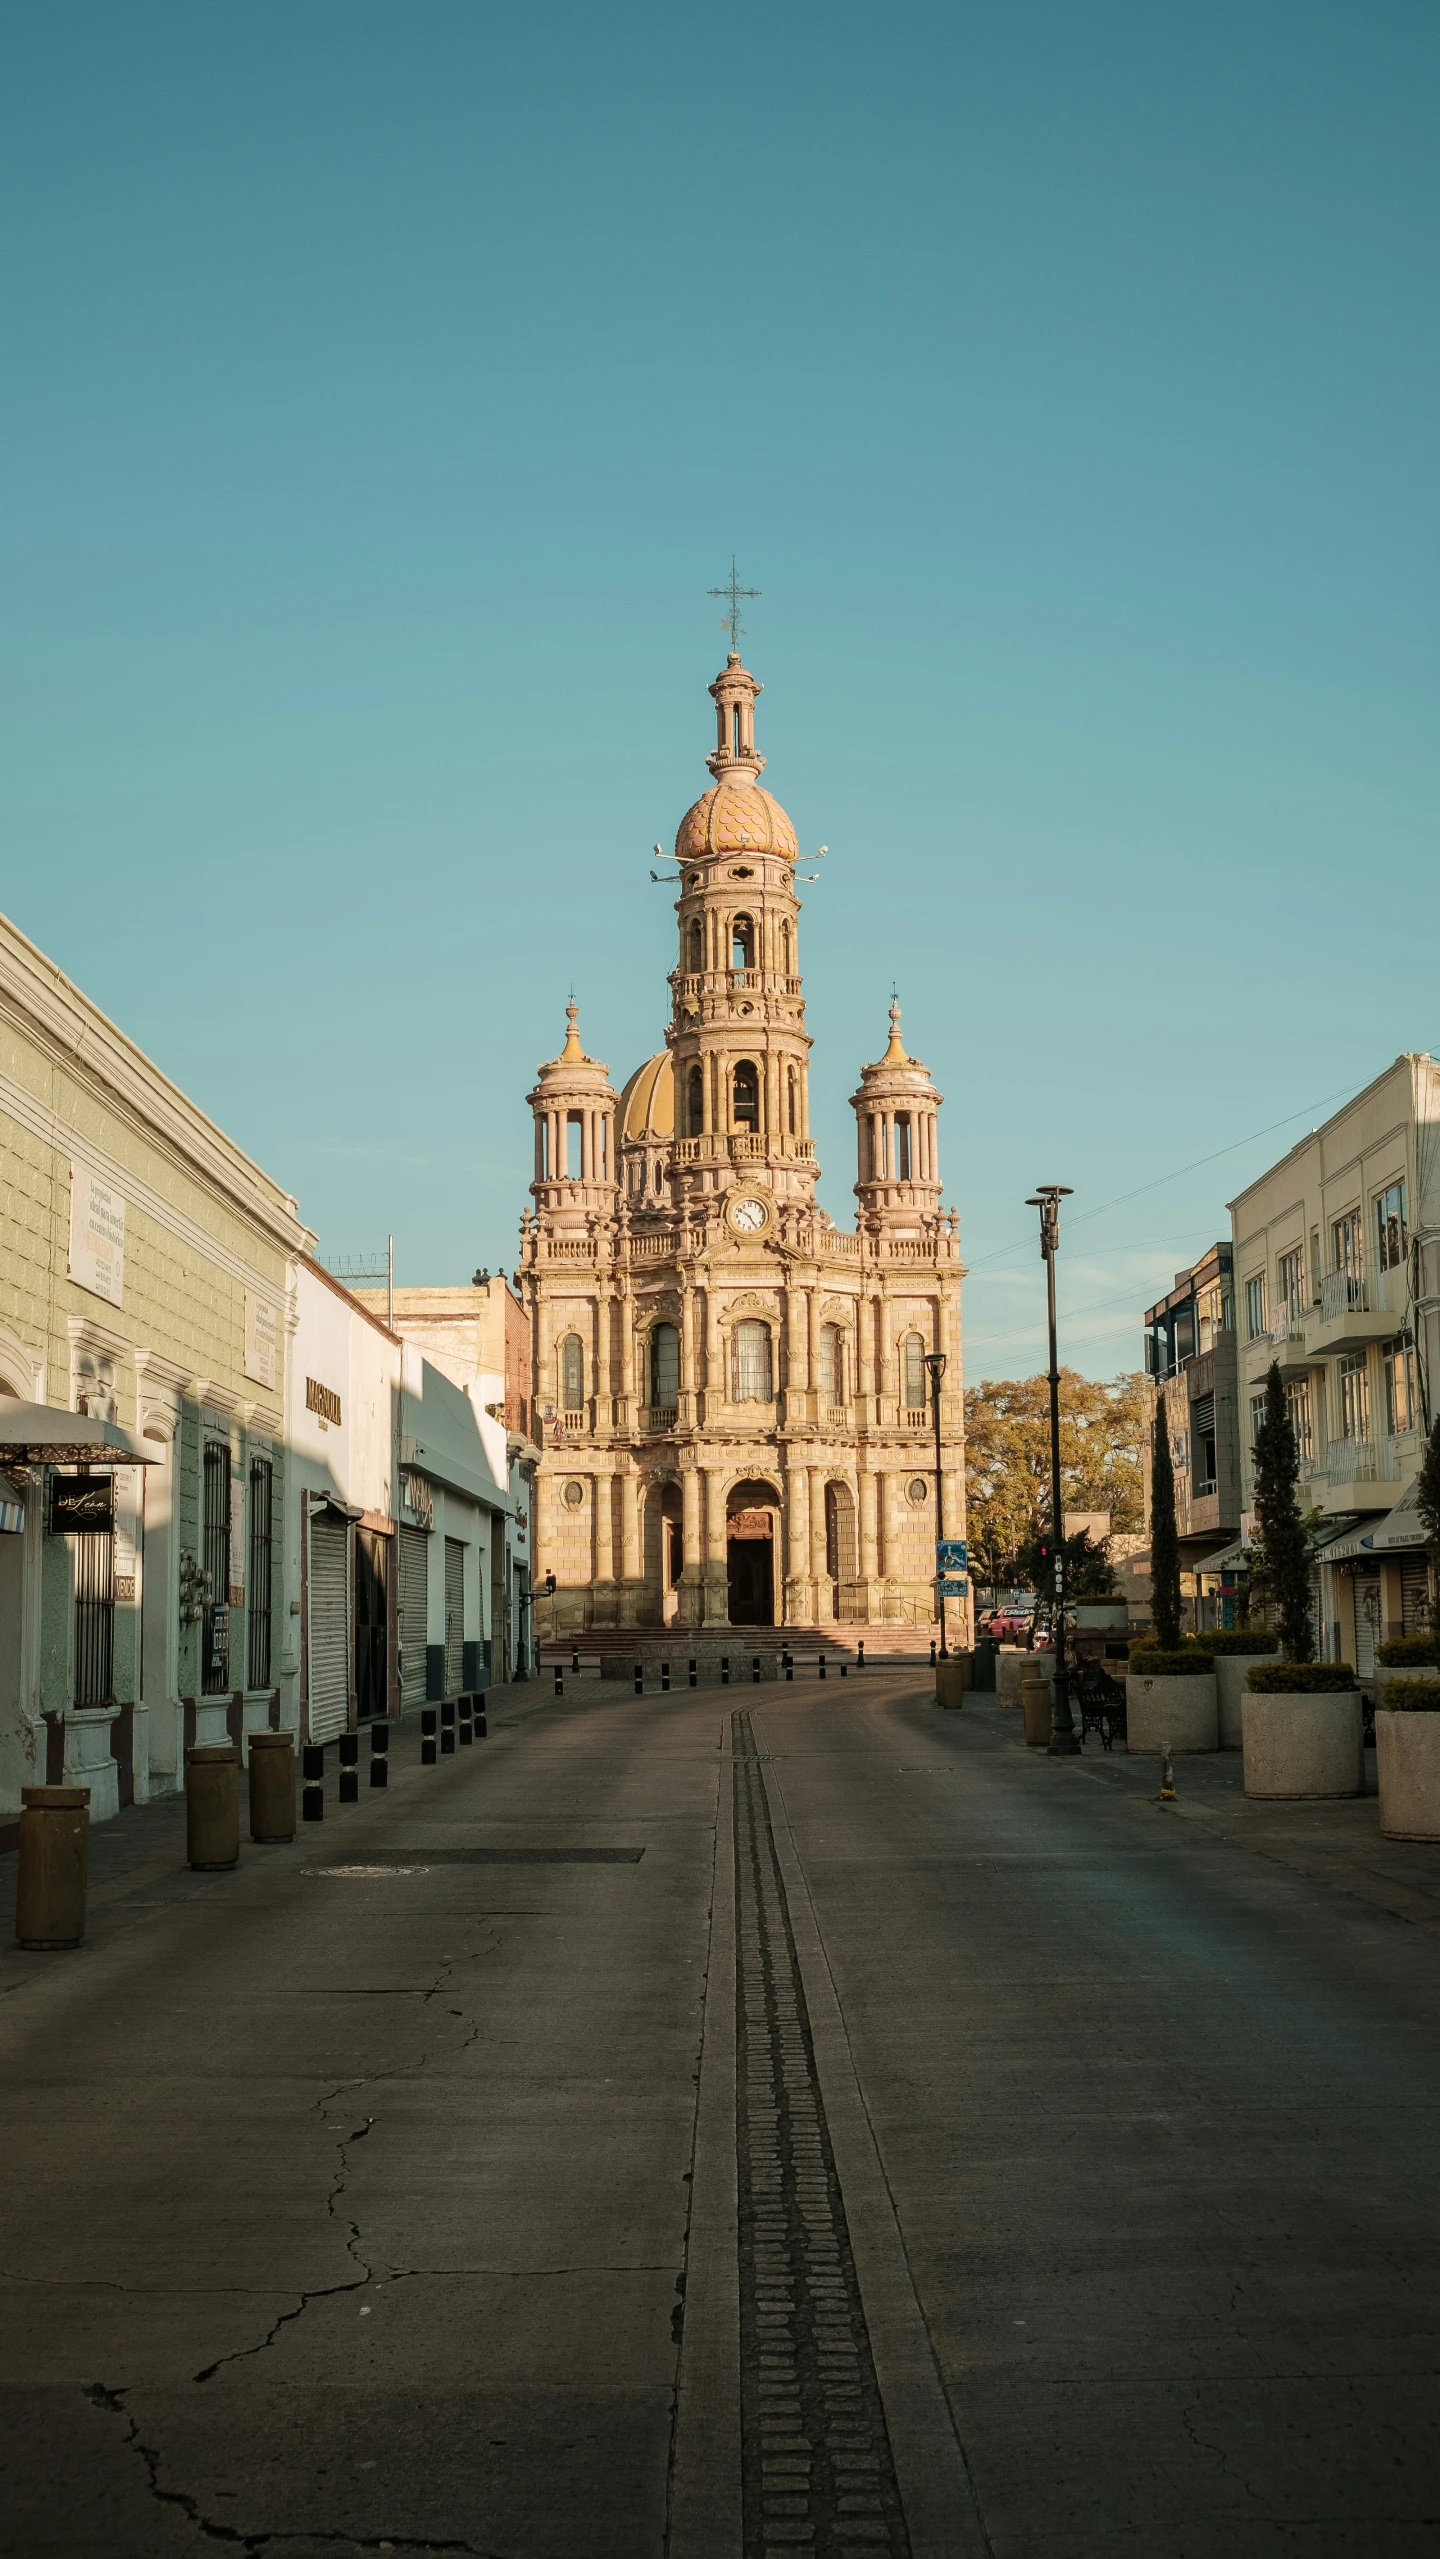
column 398, row 1519
column 730, row 1391
column 147, row 1271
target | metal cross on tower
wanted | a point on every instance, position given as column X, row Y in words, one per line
column 731, row 621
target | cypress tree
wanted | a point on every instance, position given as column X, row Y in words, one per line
column 1277, row 1517
column 1164, row 1537
column 1427, row 1502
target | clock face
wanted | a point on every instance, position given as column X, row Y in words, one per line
column 748, row 1216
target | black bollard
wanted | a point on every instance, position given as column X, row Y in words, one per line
column 665, row 1676
column 464, row 1732
column 447, row 1729
column 724, row 1670
column 844, row 1670
column 575, row 1659
column 639, row 1679
column 349, row 1768
column 932, row 1652
column 379, row 1754
column 860, row 1657
column 481, row 1727
column 755, row 1667
column 789, row 1661
column 694, row 1676
column 312, row 1788
column 820, row 1666
column 428, row 1721
column 559, row 1681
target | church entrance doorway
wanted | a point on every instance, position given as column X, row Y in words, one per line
column 750, row 1555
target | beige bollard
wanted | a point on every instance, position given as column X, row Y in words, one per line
column 212, row 1805
column 272, row 1786
column 952, row 1678
column 1035, row 1701
column 52, row 1866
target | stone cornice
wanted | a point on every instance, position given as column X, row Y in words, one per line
column 77, row 1036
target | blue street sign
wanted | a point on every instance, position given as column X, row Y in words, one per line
column 952, row 1555
column 953, row 1585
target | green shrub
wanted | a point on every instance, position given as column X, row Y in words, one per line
column 1240, row 1639
column 1412, row 1696
column 1151, row 1661
column 1410, row 1652
column 1296, row 1679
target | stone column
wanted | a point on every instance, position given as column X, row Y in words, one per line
column 692, row 1571
column 864, row 1351
column 633, row 1582
column 717, row 1574
column 869, row 1540
column 817, row 1542
column 799, row 1593
column 603, row 1611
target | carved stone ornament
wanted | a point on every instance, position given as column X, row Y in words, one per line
column 767, row 1308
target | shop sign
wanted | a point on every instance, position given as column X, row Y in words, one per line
column 417, row 1502
column 82, row 1505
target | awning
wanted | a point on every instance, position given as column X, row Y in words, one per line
column 1401, row 1532
column 327, row 1501
column 1229, row 1560
column 38, row 1435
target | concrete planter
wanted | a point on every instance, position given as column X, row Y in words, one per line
column 1165, row 1711
column 1231, row 1672
column 1094, row 1616
column 1407, row 1747
column 1403, row 1670
column 1012, row 1669
column 1309, row 1743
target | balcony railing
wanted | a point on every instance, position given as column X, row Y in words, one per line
column 1352, row 1461
column 1356, row 1293
column 659, row 1417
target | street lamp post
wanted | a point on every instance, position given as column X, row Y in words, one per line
column 1048, row 1196
column 935, row 1362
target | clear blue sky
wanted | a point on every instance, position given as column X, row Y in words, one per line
column 387, row 385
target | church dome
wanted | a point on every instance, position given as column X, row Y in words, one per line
column 736, row 817
column 647, row 1105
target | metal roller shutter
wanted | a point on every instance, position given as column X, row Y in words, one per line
column 414, row 1587
column 1415, row 1596
column 329, row 1627
column 454, row 1616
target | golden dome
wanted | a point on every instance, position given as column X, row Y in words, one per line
column 647, row 1105
column 736, row 817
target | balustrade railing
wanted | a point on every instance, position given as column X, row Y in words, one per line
column 1352, row 1461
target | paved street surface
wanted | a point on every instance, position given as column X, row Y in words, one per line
column 769, row 2119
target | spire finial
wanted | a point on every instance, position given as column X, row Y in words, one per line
column 731, row 621
column 895, row 1053
column 572, row 1054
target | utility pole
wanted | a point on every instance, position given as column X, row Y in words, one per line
column 935, row 1362
column 1048, row 1196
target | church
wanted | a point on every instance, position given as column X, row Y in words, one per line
column 732, row 1392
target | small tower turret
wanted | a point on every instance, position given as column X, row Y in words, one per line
column 574, row 1106
column 897, row 1129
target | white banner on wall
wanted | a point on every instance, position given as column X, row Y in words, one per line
column 260, row 1340
column 237, row 1541
column 127, row 1495
column 97, row 1236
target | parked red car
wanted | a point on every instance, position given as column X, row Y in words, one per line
column 1009, row 1625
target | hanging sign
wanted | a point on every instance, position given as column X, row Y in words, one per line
column 97, row 1236
column 82, row 1505
column 952, row 1555
column 953, row 1585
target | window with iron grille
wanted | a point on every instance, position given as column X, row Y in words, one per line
column 572, row 1373
column 1256, row 1320
column 262, row 1490
column 664, row 1367
column 1354, row 1396
column 1391, row 1232
column 94, row 1618
column 914, row 1364
column 215, row 1623
column 752, row 1363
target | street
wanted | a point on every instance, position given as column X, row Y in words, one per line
column 774, row 2118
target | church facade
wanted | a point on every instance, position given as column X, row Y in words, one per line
column 732, row 1393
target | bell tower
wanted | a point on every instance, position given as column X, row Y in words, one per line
column 574, row 1106
column 737, row 1038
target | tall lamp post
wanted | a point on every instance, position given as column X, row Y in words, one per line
column 935, row 1362
column 1048, row 1196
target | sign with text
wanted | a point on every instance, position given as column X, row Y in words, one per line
column 97, row 1236
column 127, row 1482
column 953, row 1585
column 952, row 1555
column 82, row 1505
column 261, row 1335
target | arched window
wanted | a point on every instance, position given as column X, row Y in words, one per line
column 747, row 1094
column 790, row 1100
column 753, row 1376
column 742, row 943
column 913, row 1351
column 902, row 1146
column 695, row 1109
column 572, row 1373
column 735, row 727
column 832, row 1364
column 784, row 948
column 697, row 948
column 664, row 1365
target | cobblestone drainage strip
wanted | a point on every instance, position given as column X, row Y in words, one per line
column 817, row 2466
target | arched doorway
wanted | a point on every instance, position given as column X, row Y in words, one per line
column 840, row 1558
column 750, row 1515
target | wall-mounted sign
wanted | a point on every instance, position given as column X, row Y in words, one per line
column 127, row 1500
column 749, row 1524
column 261, row 1336
column 97, row 1236
column 417, row 1502
column 952, row 1585
column 952, row 1555
column 322, row 1401
column 82, row 1505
